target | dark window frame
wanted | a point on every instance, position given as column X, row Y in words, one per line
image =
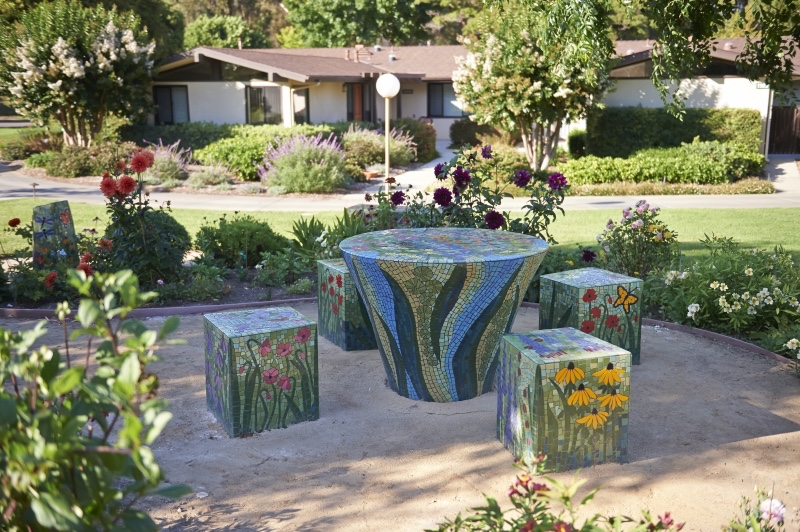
column 156, row 88
column 307, row 93
column 263, row 102
column 434, row 106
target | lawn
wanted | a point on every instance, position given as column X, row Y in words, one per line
column 13, row 133
column 761, row 228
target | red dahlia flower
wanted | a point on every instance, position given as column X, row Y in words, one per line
column 126, row 185
column 108, row 187
column 13, row 222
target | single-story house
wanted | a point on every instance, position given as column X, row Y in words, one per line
column 313, row 85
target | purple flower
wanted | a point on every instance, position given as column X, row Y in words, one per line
column 637, row 224
column 442, row 196
column 522, row 178
column 494, row 220
column 557, row 181
column 397, row 198
column 438, row 171
column 772, row 509
column 461, row 178
column 486, row 152
column 587, row 255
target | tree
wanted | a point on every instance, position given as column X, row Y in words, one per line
column 266, row 15
column 332, row 23
column 76, row 65
column 222, row 32
column 529, row 70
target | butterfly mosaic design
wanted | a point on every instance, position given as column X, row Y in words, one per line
column 625, row 299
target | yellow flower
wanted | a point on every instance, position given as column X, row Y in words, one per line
column 613, row 399
column 570, row 374
column 609, row 375
column 667, row 235
column 570, row 262
column 595, row 419
column 581, row 396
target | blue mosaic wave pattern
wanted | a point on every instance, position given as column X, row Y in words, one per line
column 439, row 300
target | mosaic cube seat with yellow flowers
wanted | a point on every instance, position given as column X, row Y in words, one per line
column 342, row 316
column 597, row 302
column 261, row 369
column 564, row 394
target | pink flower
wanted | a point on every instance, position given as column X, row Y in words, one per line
column 302, row 335
column 637, row 224
column 772, row 509
column 241, row 370
column 285, row 383
column 270, row 375
column 265, row 348
column 284, row 349
column 267, row 395
column 126, row 185
column 108, row 187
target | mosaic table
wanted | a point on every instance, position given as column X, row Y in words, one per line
column 342, row 317
column 439, row 299
column 604, row 304
column 261, row 369
column 565, row 394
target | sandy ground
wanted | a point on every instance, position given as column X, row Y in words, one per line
column 707, row 423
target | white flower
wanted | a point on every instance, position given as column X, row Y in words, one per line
column 160, row 282
column 793, row 344
column 748, row 271
column 694, row 307
column 735, row 296
column 736, row 305
column 755, row 301
column 772, row 509
column 768, row 300
column 751, row 310
column 714, row 285
column 723, row 287
column 746, row 295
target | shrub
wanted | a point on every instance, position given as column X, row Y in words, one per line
column 205, row 281
column 60, row 418
column 465, row 132
column 208, row 176
column 576, row 143
column 194, row 135
column 422, row 134
column 639, row 243
column 29, row 143
column 698, row 162
column 559, row 260
column 750, row 185
column 75, row 161
column 40, row 160
column 300, row 287
column 621, row 131
column 285, row 267
column 239, row 241
column 364, row 148
column 170, row 162
column 304, row 164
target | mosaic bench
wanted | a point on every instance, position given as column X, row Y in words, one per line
column 601, row 303
column 342, row 316
column 564, row 394
column 261, row 369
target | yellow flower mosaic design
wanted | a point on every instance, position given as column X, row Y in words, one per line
column 581, row 396
column 609, row 375
column 595, row 419
column 570, row 374
column 613, row 400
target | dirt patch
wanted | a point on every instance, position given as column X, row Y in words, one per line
column 707, row 423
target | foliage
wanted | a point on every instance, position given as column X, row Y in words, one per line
column 289, row 37
column 768, row 516
column 76, row 65
column 76, row 444
column 423, row 136
column 29, row 143
column 467, row 132
column 304, row 164
column 473, row 194
column 559, row 260
column 194, row 135
column 343, row 23
column 77, row 161
column 709, row 162
column 576, row 143
column 205, row 281
column 40, row 160
column 750, row 185
column 209, row 176
column 300, row 287
column 170, row 163
column 222, row 31
column 306, row 233
column 639, row 243
column 535, row 65
column 622, row 131
column 365, row 147
column 238, row 241
column 548, row 505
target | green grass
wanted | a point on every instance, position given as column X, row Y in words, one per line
column 13, row 133
column 760, row 228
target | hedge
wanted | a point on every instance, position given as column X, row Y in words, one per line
column 621, row 131
column 699, row 162
column 466, row 132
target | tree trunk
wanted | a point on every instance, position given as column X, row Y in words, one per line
column 540, row 142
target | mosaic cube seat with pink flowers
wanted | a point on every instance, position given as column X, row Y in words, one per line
column 342, row 316
column 261, row 369
column 605, row 304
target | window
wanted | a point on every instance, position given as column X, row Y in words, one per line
column 359, row 102
column 172, row 104
column 301, row 113
column 264, row 105
column 442, row 101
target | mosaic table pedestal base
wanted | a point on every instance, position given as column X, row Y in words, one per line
column 604, row 304
column 261, row 369
column 342, row 317
column 439, row 300
column 564, row 394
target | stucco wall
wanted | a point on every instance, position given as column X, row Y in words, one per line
column 327, row 103
column 414, row 105
column 221, row 102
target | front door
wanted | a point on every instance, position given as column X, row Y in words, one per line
column 784, row 131
column 359, row 102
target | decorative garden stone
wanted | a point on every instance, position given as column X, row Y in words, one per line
column 564, row 394
column 343, row 319
column 439, row 299
column 261, row 369
column 54, row 235
column 604, row 304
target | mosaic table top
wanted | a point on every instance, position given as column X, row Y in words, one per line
column 257, row 321
column 443, row 245
column 567, row 343
column 589, row 277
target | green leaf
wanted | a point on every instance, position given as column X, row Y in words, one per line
column 157, row 426
column 137, row 521
column 173, row 491
column 68, row 380
column 130, row 370
column 88, row 312
column 169, row 327
column 8, row 411
column 55, row 513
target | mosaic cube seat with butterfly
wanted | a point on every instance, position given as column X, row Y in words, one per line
column 342, row 316
column 605, row 304
column 261, row 369
column 564, row 394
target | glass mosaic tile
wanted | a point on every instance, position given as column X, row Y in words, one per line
column 439, row 300
column 565, row 394
column 261, row 369
column 53, row 235
column 604, row 304
column 342, row 316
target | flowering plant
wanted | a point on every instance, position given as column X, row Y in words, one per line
column 639, row 242
column 767, row 517
column 470, row 193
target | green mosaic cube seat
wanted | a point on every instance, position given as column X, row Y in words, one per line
column 261, row 369
column 565, row 394
column 604, row 304
column 342, row 316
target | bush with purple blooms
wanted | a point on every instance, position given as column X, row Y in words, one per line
column 304, row 164
column 472, row 185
